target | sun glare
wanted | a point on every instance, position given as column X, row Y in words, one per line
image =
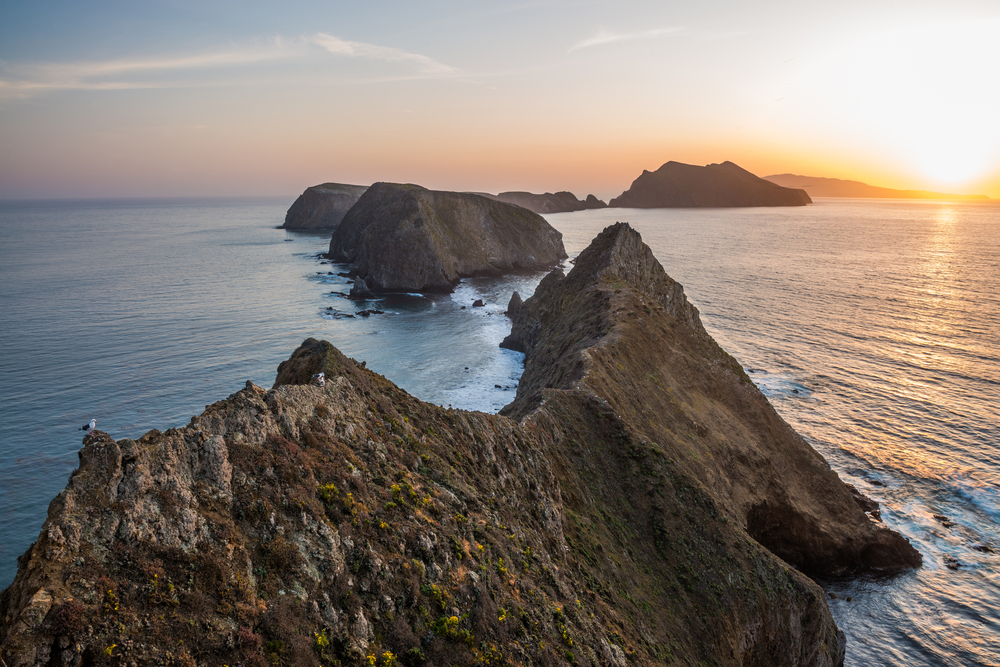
column 928, row 90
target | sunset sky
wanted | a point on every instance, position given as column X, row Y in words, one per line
column 164, row 98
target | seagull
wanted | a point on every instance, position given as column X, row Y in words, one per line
column 89, row 427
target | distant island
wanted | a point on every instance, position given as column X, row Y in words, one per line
column 678, row 185
column 834, row 187
column 560, row 202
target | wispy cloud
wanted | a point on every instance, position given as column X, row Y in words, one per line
column 389, row 54
column 179, row 70
column 23, row 79
column 604, row 37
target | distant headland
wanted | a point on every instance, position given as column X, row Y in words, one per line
column 678, row 185
column 817, row 186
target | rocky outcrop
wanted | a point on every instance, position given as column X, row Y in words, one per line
column 560, row 202
column 322, row 206
column 817, row 186
column 409, row 238
column 613, row 517
column 620, row 328
column 677, row 185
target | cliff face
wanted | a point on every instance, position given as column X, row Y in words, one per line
column 409, row 238
column 560, row 202
column 835, row 187
column 322, row 206
column 613, row 518
column 676, row 185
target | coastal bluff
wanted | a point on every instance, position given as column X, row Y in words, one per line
column 322, row 206
column 408, row 238
column 678, row 185
column 639, row 503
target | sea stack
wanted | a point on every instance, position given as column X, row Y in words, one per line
column 322, row 206
column 678, row 185
column 409, row 238
column 639, row 503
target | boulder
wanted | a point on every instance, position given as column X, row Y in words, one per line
column 676, row 185
column 409, row 238
column 322, row 206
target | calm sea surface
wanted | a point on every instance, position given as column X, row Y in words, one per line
column 873, row 326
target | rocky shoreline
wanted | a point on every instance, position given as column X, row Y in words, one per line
column 639, row 502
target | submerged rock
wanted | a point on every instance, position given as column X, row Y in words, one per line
column 322, row 206
column 621, row 512
column 409, row 238
column 717, row 185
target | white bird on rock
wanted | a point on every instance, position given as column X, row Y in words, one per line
column 89, row 427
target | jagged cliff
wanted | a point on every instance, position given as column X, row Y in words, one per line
column 560, row 202
column 677, row 185
column 322, row 206
column 615, row 515
column 409, row 238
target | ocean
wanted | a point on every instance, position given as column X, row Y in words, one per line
column 872, row 325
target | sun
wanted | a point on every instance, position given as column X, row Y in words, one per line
column 952, row 161
column 927, row 90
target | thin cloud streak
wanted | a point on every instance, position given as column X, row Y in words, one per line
column 603, row 37
column 341, row 47
column 21, row 80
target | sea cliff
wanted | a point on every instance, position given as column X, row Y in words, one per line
column 409, row 238
column 638, row 503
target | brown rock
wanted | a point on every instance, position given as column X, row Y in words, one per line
column 408, row 238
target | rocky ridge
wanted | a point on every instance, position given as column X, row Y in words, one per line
column 677, row 185
column 322, row 206
column 612, row 516
column 409, row 238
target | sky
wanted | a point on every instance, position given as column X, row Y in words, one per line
column 179, row 98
